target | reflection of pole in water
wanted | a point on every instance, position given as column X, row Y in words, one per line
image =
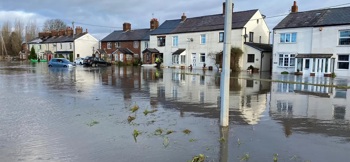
column 224, row 144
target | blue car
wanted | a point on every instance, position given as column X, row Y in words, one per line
column 60, row 62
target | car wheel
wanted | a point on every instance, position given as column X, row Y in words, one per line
column 65, row 66
column 96, row 64
column 81, row 63
column 50, row 65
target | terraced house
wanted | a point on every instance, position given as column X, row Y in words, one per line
column 195, row 41
column 313, row 43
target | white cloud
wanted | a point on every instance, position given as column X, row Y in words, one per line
column 24, row 17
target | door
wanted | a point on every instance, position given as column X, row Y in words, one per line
column 194, row 60
column 121, row 57
column 307, row 68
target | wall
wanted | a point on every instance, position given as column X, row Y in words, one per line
column 85, row 45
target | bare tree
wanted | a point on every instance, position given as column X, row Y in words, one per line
column 54, row 24
column 31, row 30
column 5, row 38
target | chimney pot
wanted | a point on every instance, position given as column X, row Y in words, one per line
column 183, row 17
column 154, row 24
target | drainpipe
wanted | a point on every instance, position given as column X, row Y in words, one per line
column 245, row 34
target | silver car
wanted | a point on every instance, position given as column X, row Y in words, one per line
column 60, row 62
column 79, row 61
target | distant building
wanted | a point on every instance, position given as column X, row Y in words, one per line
column 64, row 43
column 315, row 43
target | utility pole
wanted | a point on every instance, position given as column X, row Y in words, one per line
column 73, row 41
column 225, row 73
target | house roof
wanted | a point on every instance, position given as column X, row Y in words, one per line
column 316, row 18
column 260, row 46
column 57, row 39
column 124, row 51
column 151, row 50
column 101, row 51
column 179, row 51
column 204, row 23
column 130, row 35
column 314, row 55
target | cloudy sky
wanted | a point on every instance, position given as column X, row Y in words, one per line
column 101, row 17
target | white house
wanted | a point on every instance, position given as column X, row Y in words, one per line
column 315, row 43
column 64, row 42
column 193, row 41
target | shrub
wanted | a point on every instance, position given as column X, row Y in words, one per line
column 333, row 75
column 284, row 72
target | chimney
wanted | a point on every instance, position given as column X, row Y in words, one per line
column 62, row 32
column 183, row 17
column 86, row 31
column 294, row 7
column 154, row 24
column 47, row 34
column 224, row 7
column 69, row 31
column 126, row 26
column 78, row 30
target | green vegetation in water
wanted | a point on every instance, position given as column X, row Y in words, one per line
column 333, row 75
column 166, row 142
column 158, row 131
column 146, row 112
column 245, row 157
column 169, row 132
column 131, row 118
column 238, row 142
column 92, row 123
column 135, row 134
column 222, row 139
column 275, row 157
column 192, row 140
column 198, row 158
column 284, row 72
column 186, row 131
column 134, row 108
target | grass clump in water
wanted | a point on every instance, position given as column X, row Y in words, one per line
column 198, row 158
column 169, row 132
column 275, row 157
column 186, row 131
column 245, row 157
column 146, row 112
column 131, row 118
column 158, row 131
column 284, row 72
column 166, row 142
column 134, row 108
column 135, row 134
column 92, row 123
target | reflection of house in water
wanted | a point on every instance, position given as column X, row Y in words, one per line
column 310, row 107
column 198, row 92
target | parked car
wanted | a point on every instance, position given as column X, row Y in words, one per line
column 95, row 61
column 79, row 61
column 60, row 62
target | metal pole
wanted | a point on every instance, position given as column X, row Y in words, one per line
column 225, row 73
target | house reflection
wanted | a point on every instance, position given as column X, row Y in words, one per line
column 311, row 107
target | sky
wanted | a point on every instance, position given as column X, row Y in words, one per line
column 102, row 17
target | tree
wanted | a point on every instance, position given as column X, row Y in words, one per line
column 31, row 30
column 236, row 54
column 5, row 38
column 32, row 54
column 54, row 24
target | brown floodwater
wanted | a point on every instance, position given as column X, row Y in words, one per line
column 81, row 114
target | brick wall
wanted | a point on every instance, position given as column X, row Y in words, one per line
column 128, row 44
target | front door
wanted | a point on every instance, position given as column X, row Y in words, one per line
column 307, row 68
column 194, row 60
column 121, row 57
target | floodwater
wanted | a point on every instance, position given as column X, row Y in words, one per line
column 81, row 114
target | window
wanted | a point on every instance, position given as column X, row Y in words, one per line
column 136, row 44
column 183, row 59
column 307, row 63
column 161, row 41
column 175, row 59
column 344, row 37
column 117, row 44
column 343, row 61
column 251, row 58
column 70, row 45
column 203, row 39
column 250, row 83
column 175, row 41
column 146, row 44
column 251, row 36
column 61, row 45
column 39, row 46
column 288, row 37
column 286, row 60
column 202, row 57
column 221, row 37
column 109, row 45
column 339, row 112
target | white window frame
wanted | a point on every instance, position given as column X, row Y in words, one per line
column 70, row 45
column 286, row 60
column 343, row 61
column 288, row 37
column 203, row 39
column 175, row 59
column 136, row 44
column 183, row 59
column 146, row 45
column 109, row 45
column 117, row 44
column 344, row 37
column 175, row 41
column 221, row 37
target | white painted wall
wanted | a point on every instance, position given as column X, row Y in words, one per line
column 85, row 45
column 143, row 47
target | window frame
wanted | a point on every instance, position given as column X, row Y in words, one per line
column 202, row 57
column 343, row 61
column 344, row 37
column 221, row 37
column 286, row 60
column 161, row 40
column 136, row 44
column 175, row 41
column 117, row 44
column 251, row 36
column 109, row 45
column 183, row 59
column 249, row 59
column 290, row 37
column 203, row 39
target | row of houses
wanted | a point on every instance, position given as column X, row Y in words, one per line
column 312, row 43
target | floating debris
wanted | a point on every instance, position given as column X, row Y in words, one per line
column 146, row 112
column 186, row 131
column 245, row 157
column 158, row 131
column 169, row 132
column 131, row 118
column 198, row 158
column 92, row 123
column 166, row 142
column 275, row 157
column 134, row 108
column 135, row 134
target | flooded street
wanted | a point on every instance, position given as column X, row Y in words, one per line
column 81, row 114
